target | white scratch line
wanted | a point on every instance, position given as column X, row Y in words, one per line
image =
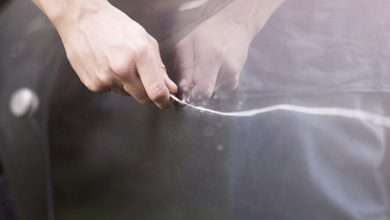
column 377, row 119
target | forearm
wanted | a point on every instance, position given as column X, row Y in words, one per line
column 60, row 11
column 252, row 13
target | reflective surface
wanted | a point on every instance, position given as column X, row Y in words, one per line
column 112, row 158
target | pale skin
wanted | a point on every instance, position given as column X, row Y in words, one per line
column 212, row 56
column 111, row 52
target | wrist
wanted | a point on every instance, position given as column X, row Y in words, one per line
column 251, row 14
column 67, row 12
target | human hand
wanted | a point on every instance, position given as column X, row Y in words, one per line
column 211, row 57
column 110, row 51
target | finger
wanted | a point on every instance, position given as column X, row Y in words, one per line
column 172, row 87
column 184, row 67
column 205, row 77
column 129, row 81
column 132, row 87
column 228, row 79
column 117, row 86
column 227, row 84
column 149, row 67
column 86, row 76
column 137, row 91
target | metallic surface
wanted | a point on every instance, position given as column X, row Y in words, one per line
column 114, row 159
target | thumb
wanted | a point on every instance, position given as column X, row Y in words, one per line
column 172, row 87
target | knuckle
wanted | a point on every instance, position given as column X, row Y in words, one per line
column 208, row 90
column 154, row 42
column 95, row 86
column 232, row 69
column 140, row 30
column 203, row 91
column 122, row 67
column 142, row 48
column 162, row 66
column 106, row 80
column 158, row 92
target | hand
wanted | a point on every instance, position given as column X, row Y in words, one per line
column 110, row 51
column 211, row 57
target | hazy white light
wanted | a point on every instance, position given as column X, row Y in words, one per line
column 192, row 5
